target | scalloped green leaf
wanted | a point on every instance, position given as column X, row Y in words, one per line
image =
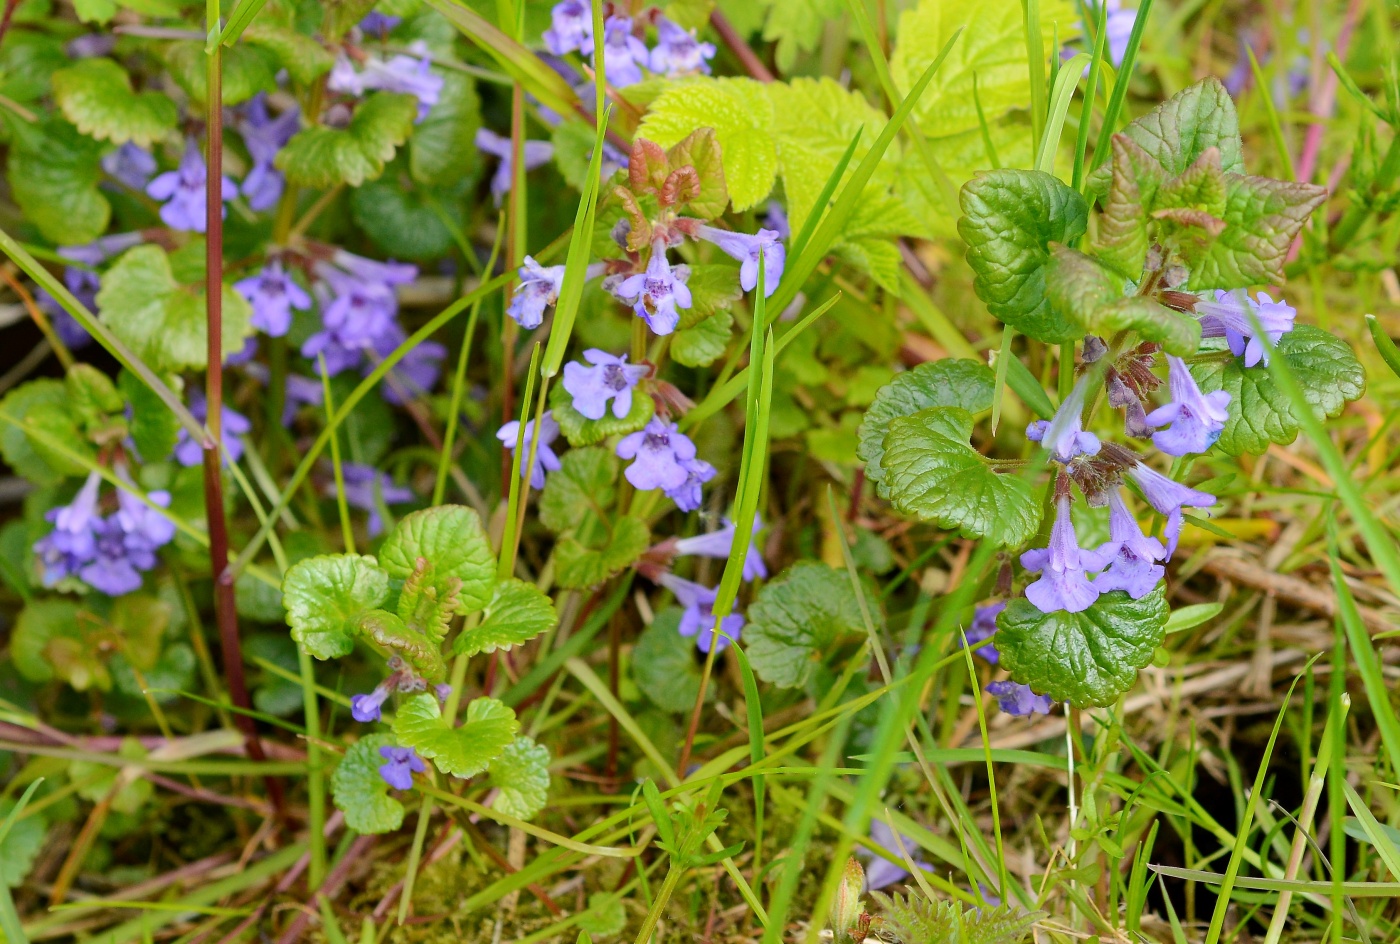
column 1010, row 218
column 327, row 596
column 963, row 383
column 933, row 474
column 1262, row 217
column 517, row 613
column 463, row 751
column 579, row 565
column 360, row 793
column 798, row 617
column 451, row 539
column 521, row 773
column 305, row 59
column 1087, row 658
column 247, row 70
column 664, row 663
column 96, row 95
column 1092, row 294
column 579, row 430
column 443, row 148
column 321, row 157
column 54, row 172
column 42, row 406
column 705, row 342
column 579, row 495
column 1325, row 366
column 154, row 429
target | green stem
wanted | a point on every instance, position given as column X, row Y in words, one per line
column 315, row 775
column 673, row 877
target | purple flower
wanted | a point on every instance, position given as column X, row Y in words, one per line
column 699, row 616
column 90, row 45
column 660, row 451
column 656, row 293
column 1134, row 568
column 623, row 53
column 677, row 51
column 358, row 308
column 189, row 452
column 536, row 153
column 273, row 295
column 83, row 280
column 366, row 708
column 777, row 220
column 144, row 530
column 610, row 378
column 110, row 569
column 1017, row 699
column 401, row 764
column 417, row 371
column 368, row 489
column 300, row 391
column 379, row 24
column 264, row 136
column 1064, row 434
column 244, row 355
column 545, row 459
column 71, row 543
column 1168, row 498
column 130, row 165
column 538, row 289
column 403, row 74
column 1119, row 27
column 688, row 496
column 443, row 691
column 984, row 624
column 746, row 248
column 1064, row 583
column 1196, row 418
column 183, row 192
column 1228, row 317
column 882, row 872
column 717, row 544
column 571, row 28
column 109, row 554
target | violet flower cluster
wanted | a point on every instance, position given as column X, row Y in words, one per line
column 625, row 55
column 698, row 600
column 402, row 74
column 109, row 553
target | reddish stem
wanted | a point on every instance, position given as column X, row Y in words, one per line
column 747, row 57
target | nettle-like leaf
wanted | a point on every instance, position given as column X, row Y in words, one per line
column 966, row 384
column 40, row 408
column 451, row 539
column 1092, row 295
column 517, row 613
column 702, row 191
column 463, row 751
column 21, row 844
column 419, row 649
column 404, row 220
column 442, row 150
column 54, row 172
column 321, row 157
column 1010, row 218
column 96, row 95
column 303, row 57
column 247, row 70
column 327, row 596
column 703, row 343
column 933, row 474
column 521, row 772
column 577, row 496
column 161, row 319
column 1325, row 367
column 1087, row 658
column 579, row 430
column 1260, row 219
column 798, row 617
column 360, row 793
column 583, row 564
column 1122, row 231
column 663, row 663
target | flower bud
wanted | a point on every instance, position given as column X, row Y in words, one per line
column 847, row 906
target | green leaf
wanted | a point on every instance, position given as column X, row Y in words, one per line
column 443, row 149
column 402, row 219
column 1262, row 217
column 47, row 642
column 1325, row 366
column 581, row 565
column 966, row 384
column 451, row 539
column 41, row 406
column 247, row 71
column 21, row 844
column 992, row 47
column 326, row 597
column 517, row 613
column 1092, row 295
column 96, row 95
column 95, row 11
column 933, row 474
column 605, row 916
column 54, row 172
column 160, row 319
column 154, row 429
column 92, row 396
column 303, row 57
column 27, row 62
column 577, row 496
column 1181, row 129
column 663, row 663
column 702, row 344
column 463, row 751
column 798, row 618
column 418, row 648
column 1122, row 232
column 360, row 793
column 740, row 112
column 320, row 157
column 579, row 430
column 796, row 26
column 99, row 778
column 521, row 772
column 700, row 151
column 1010, row 218
column 1087, row 658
